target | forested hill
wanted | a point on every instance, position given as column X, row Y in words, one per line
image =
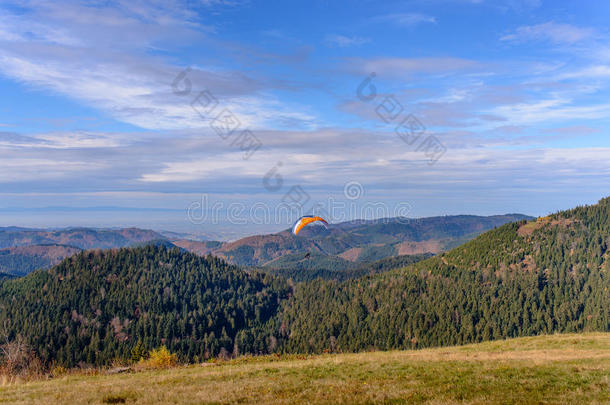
column 23, row 250
column 82, row 238
column 325, row 267
column 21, row 260
column 525, row 278
column 95, row 306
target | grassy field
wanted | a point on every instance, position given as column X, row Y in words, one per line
column 572, row 368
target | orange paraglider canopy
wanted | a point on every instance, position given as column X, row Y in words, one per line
column 304, row 221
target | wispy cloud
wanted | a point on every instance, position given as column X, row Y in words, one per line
column 588, row 72
column 345, row 41
column 556, row 33
column 551, row 110
column 572, row 130
column 405, row 19
column 194, row 163
column 81, row 60
column 62, row 140
column 403, row 67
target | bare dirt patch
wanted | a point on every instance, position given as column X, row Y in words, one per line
column 529, row 228
column 351, row 254
column 413, row 248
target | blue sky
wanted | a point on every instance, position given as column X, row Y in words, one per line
column 92, row 133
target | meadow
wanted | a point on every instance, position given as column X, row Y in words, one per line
column 554, row 369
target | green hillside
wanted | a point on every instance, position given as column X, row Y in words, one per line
column 523, row 278
column 24, row 250
column 308, row 267
column 82, row 238
column 21, row 260
column 96, row 306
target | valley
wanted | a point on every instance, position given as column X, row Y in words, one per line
column 344, row 245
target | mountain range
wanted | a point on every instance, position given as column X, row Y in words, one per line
column 524, row 278
column 353, row 241
column 23, row 250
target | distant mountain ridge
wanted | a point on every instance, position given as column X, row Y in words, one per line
column 20, row 260
column 356, row 241
column 23, row 250
column 82, row 238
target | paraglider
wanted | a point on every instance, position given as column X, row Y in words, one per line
column 306, row 220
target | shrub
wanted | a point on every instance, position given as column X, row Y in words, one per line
column 138, row 352
column 160, row 358
column 17, row 359
column 58, row 371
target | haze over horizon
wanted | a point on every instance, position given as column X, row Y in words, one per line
column 111, row 110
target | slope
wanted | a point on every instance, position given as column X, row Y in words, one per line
column 316, row 265
column 82, row 238
column 523, row 278
column 96, row 306
column 526, row 278
column 23, row 250
column 21, row 260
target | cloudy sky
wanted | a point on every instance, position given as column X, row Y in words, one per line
column 119, row 113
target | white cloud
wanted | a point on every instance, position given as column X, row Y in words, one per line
column 172, row 171
column 405, row 19
column 63, row 140
column 588, row 72
column 98, row 56
column 22, row 169
column 553, row 32
column 403, row 67
column 550, row 110
column 572, row 130
column 345, row 41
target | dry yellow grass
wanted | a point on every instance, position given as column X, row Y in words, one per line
column 571, row 368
